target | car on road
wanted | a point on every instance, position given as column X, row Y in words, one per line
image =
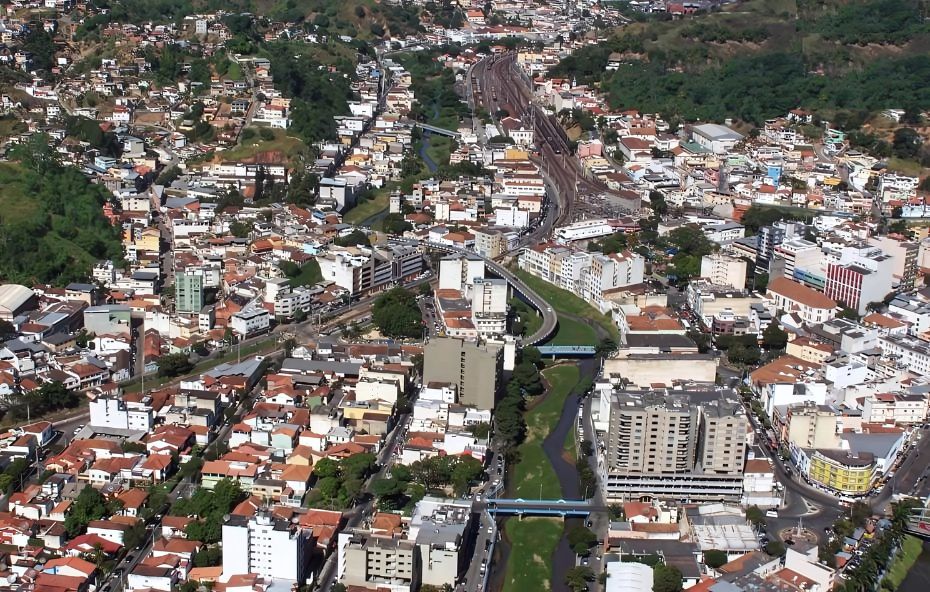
column 771, row 514
column 79, row 428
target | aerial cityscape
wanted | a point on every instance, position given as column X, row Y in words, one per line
column 431, row 296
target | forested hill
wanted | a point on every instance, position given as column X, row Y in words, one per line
column 52, row 228
column 757, row 59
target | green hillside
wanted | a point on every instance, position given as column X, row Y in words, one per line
column 757, row 59
column 51, row 226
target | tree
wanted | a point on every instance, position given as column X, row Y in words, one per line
column 395, row 224
column 859, row 513
column 240, row 229
column 480, row 430
column 577, row 578
column 605, row 348
column 581, row 536
column 773, row 337
column 666, row 578
column 354, row 238
column 775, row 548
column 465, row 472
column 756, row 517
column 172, row 365
column 397, row 314
column 87, row 507
column 714, row 558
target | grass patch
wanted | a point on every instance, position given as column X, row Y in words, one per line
column 309, row 274
column 904, row 561
column 235, row 71
column 572, row 332
column 367, row 209
column 565, row 302
column 440, row 147
column 569, row 446
column 289, row 146
column 532, row 544
column 905, row 167
column 533, row 476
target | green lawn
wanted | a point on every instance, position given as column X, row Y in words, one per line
column 565, row 302
column 572, row 332
column 910, row 551
column 532, row 545
column 289, row 146
column 570, row 447
column 309, row 274
column 367, row 209
column 439, row 149
column 533, row 476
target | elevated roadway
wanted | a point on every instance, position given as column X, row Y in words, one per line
column 550, row 322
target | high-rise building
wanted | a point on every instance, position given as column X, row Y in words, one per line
column 863, row 275
column 188, row 292
column 377, row 562
column 684, row 443
column 459, row 272
column 474, row 368
column 267, row 546
column 723, row 270
column 489, row 306
column 770, row 237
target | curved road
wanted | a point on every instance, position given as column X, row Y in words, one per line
column 550, row 319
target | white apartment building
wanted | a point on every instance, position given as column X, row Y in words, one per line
column 523, row 186
column 797, row 253
column 249, row 322
column 512, row 216
column 459, row 272
column 909, row 352
column 489, row 306
column 723, row 270
column 895, row 408
column 362, row 270
column 588, row 275
column 606, row 272
column 267, row 546
column 114, row 413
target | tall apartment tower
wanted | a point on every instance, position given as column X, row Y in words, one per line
column 188, row 292
column 686, row 443
column 475, row 368
column 264, row 545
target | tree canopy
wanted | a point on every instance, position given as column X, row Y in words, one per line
column 52, row 228
column 397, row 314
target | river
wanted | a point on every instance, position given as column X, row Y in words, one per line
column 918, row 578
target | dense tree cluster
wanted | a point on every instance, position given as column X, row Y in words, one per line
column 758, row 216
column 525, row 381
column 409, row 483
column 209, row 506
column 354, row 238
column 872, row 21
column 339, row 483
column 52, row 228
column 317, row 93
column 171, row 365
column 397, row 314
column 50, row 397
column 87, row 507
column 718, row 33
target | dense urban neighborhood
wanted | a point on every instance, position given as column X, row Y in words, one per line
column 488, row 296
